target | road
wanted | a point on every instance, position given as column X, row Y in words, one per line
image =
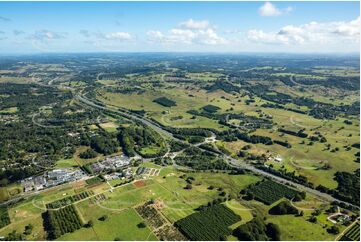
column 128, row 115
column 231, row 161
column 32, row 193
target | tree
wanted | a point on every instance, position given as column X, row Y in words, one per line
column 334, row 230
column 28, row 229
column 297, row 197
column 141, row 225
column 282, row 208
column 103, row 218
column 188, row 187
column 313, row 219
column 90, row 224
column 273, row 231
column 88, row 154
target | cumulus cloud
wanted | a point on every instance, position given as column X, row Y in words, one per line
column 314, row 32
column 351, row 29
column 193, row 24
column 114, row 36
column 188, row 32
column 43, row 35
column 122, row 36
column 5, row 19
column 269, row 10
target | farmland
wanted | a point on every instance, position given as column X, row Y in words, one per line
column 4, row 217
column 353, row 234
column 209, row 224
column 61, row 221
column 269, row 192
column 68, row 200
column 212, row 147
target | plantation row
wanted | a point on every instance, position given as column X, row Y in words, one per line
column 269, row 191
column 61, row 221
column 166, row 102
column 69, row 200
column 209, row 224
column 352, row 234
column 4, row 217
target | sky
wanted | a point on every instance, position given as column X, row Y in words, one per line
column 289, row 27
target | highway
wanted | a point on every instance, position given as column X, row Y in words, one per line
column 231, row 161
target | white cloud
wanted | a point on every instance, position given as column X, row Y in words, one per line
column 188, row 32
column 122, row 36
column 43, row 35
column 193, row 24
column 269, row 9
column 112, row 36
column 351, row 29
column 314, row 32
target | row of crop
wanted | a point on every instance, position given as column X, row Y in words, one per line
column 269, row 191
column 4, row 217
column 68, row 200
column 209, row 224
column 61, row 221
column 353, row 233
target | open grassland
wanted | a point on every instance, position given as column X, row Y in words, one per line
column 19, row 80
column 169, row 188
column 331, row 71
column 109, row 127
column 119, row 225
column 81, row 161
column 178, row 203
column 176, row 116
column 174, row 201
column 9, row 110
column 10, row 191
column 66, row 163
column 21, row 215
column 296, row 228
column 308, row 76
column 203, row 76
column 244, row 212
column 306, row 159
column 4, row 195
column 293, row 227
column 320, row 93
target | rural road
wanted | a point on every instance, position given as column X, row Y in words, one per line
column 231, row 161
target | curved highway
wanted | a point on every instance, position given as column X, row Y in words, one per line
column 231, row 161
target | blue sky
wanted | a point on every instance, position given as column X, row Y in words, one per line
column 27, row 27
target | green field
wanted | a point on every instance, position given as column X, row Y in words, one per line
column 66, row 163
column 297, row 118
column 9, row 110
column 119, row 225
